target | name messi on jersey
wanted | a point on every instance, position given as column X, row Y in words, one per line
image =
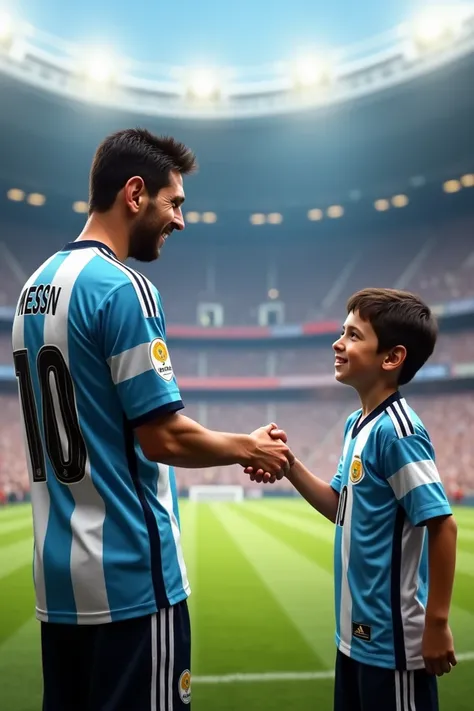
column 40, row 299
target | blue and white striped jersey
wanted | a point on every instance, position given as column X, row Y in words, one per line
column 388, row 485
column 89, row 342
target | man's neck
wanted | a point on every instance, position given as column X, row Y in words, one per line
column 104, row 228
column 374, row 396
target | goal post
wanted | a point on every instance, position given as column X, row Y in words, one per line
column 211, row 492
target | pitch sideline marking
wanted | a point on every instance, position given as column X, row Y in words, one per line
column 287, row 676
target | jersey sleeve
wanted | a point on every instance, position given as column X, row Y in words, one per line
column 133, row 342
column 412, row 473
column 336, row 481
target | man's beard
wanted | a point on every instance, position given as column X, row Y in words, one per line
column 144, row 237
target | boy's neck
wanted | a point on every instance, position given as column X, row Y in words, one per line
column 374, row 396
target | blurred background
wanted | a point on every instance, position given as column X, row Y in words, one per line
column 336, row 151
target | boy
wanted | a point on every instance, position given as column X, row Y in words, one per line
column 394, row 528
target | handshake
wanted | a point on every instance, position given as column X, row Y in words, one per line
column 271, row 458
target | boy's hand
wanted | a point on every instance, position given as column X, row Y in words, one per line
column 259, row 475
column 438, row 648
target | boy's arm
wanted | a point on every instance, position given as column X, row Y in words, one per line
column 318, row 493
column 438, row 647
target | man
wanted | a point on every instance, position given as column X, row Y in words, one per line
column 103, row 431
column 395, row 541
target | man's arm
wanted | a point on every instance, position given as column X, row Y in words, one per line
column 320, row 495
column 179, row 441
column 438, row 647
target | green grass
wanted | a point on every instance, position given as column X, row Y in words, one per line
column 261, row 575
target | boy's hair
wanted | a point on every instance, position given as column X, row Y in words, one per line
column 398, row 318
column 131, row 152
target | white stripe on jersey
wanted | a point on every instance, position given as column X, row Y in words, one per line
column 411, row 683
column 345, row 613
column 412, row 475
column 154, row 661
column 163, row 613
column 398, row 691
column 87, row 520
column 412, row 611
column 130, row 363
column 165, row 498
column 143, row 287
column 39, row 491
column 172, row 655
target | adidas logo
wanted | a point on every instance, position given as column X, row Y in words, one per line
column 361, row 631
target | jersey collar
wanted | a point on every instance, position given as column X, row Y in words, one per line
column 360, row 423
column 87, row 244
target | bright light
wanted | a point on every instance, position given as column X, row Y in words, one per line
column 335, row 211
column 468, row 180
column 16, row 195
column 193, row 217
column 382, row 205
column 273, row 294
column 315, row 215
column 100, row 68
column 6, row 26
column 209, row 217
column 452, row 186
column 36, row 199
column 80, row 206
column 258, row 219
column 274, row 218
column 400, row 201
column 310, row 71
column 204, row 84
column 435, row 26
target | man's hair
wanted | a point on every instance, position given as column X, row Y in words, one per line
column 135, row 151
column 398, row 318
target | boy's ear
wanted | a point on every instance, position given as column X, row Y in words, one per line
column 394, row 358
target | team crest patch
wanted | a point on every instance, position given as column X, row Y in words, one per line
column 356, row 473
column 160, row 359
column 184, row 687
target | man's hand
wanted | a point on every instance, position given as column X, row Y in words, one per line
column 438, row 648
column 258, row 472
column 269, row 453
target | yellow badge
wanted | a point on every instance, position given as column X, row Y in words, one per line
column 160, row 359
column 160, row 352
column 357, row 472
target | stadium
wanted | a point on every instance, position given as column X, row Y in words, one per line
column 316, row 179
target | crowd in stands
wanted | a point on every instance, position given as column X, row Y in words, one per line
column 314, row 428
column 313, row 276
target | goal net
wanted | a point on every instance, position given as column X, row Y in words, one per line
column 211, row 492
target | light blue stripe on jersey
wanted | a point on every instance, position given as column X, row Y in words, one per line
column 57, row 543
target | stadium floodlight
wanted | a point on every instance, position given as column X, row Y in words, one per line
column 273, row 294
column 209, row 218
column 36, row 199
column 204, row 84
column 258, row 218
column 311, row 71
column 6, row 26
column 315, row 215
column 99, row 68
column 435, row 27
column 335, row 211
column 81, row 207
column 193, row 217
column 382, row 205
column 400, row 200
column 452, row 186
column 467, row 181
column 274, row 218
column 16, row 195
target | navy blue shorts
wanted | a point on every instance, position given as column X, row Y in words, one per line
column 361, row 687
column 142, row 664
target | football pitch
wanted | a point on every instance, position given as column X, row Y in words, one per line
column 261, row 608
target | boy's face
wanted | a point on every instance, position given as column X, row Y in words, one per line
column 357, row 362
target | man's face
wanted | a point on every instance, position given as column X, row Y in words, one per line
column 357, row 362
column 159, row 217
